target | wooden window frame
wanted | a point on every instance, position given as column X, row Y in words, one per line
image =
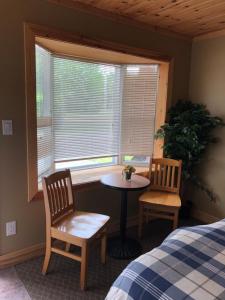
column 31, row 32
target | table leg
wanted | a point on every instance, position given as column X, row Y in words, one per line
column 123, row 216
column 122, row 247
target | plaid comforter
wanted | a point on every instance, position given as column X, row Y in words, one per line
column 189, row 264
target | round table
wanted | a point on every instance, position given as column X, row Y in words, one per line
column 123, row 247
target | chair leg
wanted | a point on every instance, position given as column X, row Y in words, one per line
column 47, row 255
column 103, row 248
column 67, row 248
column 141, row 208
column 84, row 263
column 175, row 220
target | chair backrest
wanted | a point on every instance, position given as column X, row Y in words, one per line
column 165, row 174
column 58, row 196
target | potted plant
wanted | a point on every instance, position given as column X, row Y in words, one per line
column 187, row 135
column 127, row 171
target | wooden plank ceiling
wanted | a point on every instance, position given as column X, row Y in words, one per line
column 186, row 17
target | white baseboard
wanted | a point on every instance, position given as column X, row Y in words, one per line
column 203, row 216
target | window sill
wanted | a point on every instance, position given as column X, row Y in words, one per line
column 86, row 179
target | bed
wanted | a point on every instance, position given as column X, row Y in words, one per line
column 189, row 264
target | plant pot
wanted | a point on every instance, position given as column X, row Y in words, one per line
column 127, row 176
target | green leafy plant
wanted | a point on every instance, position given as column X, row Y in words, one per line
column 186, row 137
column 127, row 171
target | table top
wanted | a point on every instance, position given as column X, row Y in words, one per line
column 116, row 181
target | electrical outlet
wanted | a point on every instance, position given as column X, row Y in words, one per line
column 11, row 228
column 7, row 127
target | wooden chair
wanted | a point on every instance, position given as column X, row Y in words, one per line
column 162, row 200
column 66, row 224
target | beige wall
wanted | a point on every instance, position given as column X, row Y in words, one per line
column 207, row 85
column 13, row 184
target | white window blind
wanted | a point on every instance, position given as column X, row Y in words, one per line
column 92, row 110
column 140, row 87
column 43, row 108
column 86, row 109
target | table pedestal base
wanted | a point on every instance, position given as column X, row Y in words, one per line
column 130, row 248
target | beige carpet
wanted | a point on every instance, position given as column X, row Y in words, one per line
column 11, row 287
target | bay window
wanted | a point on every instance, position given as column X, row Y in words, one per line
column 90, row 104
column 92, row 114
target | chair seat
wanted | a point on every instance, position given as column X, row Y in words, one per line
column 159, row 198
column 81, row 224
